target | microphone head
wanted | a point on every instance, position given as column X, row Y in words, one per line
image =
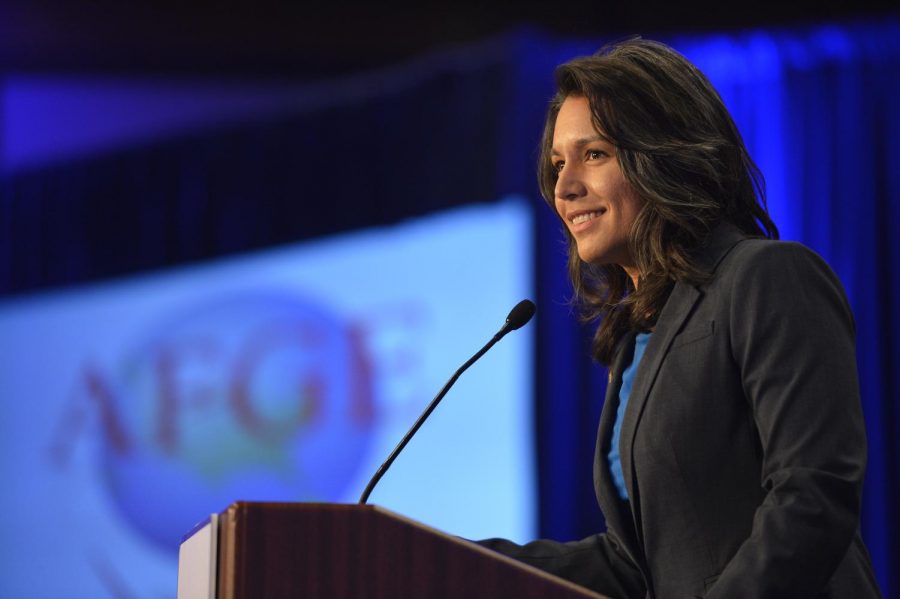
column 519, row 315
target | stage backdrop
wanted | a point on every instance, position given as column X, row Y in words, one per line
column 133, row 409
column 817, row 106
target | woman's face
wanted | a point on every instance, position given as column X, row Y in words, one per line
column 592, row 196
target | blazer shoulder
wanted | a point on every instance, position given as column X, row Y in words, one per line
column 778, row 273
column 783, row 260
column 760, row 248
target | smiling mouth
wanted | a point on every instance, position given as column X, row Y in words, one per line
column 586, row 216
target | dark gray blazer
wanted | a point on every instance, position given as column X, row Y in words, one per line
column 743, row 444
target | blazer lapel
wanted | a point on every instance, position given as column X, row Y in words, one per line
column 679, row 305
column 676, row 310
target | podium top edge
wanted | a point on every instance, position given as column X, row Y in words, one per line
column 199, row 525
column 295, row 505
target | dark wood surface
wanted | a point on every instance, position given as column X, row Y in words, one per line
column 328, row 550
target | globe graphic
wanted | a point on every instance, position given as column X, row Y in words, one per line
column 263, row 398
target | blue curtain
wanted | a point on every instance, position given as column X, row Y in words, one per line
column 405, row 149
column 820, row 113
column 818, row 108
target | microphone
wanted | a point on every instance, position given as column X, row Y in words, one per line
column 518, row 317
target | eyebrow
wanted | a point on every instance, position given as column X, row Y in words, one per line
column 581, row 142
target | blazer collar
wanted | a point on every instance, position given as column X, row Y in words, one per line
column 719, row 242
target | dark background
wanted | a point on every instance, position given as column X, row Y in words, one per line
column 325, row 39
column 165, row 203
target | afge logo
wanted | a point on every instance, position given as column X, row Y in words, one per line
column 263, row 397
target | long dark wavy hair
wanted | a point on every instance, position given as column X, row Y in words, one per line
column 680, row 150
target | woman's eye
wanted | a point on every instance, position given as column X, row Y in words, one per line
column 596, row 154
column 558, row 166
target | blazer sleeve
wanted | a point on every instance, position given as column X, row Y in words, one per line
column 596, row 562
column 793, row 339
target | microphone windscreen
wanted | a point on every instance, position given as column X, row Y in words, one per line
column 520, row 315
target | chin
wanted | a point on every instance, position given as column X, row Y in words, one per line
column 594, row 261
column 593, row 257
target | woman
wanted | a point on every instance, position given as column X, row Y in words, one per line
column 731, row 448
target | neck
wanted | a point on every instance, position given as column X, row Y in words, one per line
column 633, row 274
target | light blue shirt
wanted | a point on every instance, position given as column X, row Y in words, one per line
column 615, row 462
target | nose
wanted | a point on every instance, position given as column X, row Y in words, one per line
column 569, row 184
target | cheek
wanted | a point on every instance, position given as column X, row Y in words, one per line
column 557, row 203
column 629, row 202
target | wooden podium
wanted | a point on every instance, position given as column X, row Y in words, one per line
column 273, row 550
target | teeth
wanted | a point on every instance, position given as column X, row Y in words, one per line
column 583, row 218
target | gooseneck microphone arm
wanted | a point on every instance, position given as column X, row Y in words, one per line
column 517, row 318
